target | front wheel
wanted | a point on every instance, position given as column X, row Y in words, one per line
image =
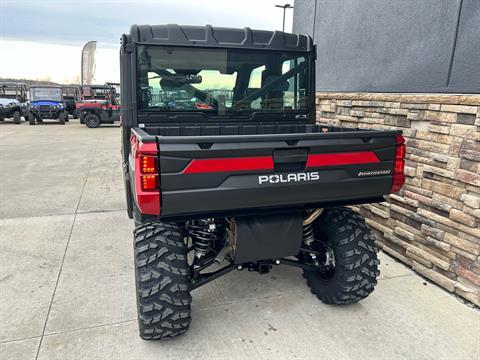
column 17, row 117
column 31, row 119
column 162, row 278
column 92, row 121
column 61, row 118
column 350, row 270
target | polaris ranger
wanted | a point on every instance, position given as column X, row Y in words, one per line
column 248, row 181
column 13, row 101
column 99, row 104
column 46, row 103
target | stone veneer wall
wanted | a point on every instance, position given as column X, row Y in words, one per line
column 433, row 223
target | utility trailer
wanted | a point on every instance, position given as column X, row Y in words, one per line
column 247, row 181
column 13, row 101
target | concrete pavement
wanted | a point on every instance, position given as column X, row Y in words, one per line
column 67, row 285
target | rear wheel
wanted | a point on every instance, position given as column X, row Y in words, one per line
column 162, row 280
column 350, row 255
column 92, row 121
column 17, row 117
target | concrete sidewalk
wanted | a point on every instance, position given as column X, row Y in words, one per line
column 67, row 284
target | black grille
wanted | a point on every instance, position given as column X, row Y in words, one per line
column 46, row 112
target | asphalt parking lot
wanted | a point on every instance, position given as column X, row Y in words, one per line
column 67, row 285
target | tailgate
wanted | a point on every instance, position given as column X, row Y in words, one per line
column 210, row 174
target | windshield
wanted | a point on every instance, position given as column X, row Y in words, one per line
column 50, row 93
column 221, row 81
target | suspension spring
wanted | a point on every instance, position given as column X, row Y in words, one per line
column 308, row 237
column 203, row 233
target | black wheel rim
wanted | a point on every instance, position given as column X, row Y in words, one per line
column 326, row 264
column 91, row 122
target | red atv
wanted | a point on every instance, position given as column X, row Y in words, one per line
column 99, row 104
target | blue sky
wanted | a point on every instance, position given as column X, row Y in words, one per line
column 36, row 33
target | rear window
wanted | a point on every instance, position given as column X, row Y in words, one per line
column 220, row 81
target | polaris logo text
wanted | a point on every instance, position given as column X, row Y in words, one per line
column 286, row 178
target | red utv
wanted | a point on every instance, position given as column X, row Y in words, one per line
column 99, row 104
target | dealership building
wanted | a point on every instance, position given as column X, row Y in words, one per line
column 414, row 66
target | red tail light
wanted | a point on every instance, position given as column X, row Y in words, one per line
column 149, row 164
column 398, row 167
column 399, row 164
column 146, row 176
column 149, row 182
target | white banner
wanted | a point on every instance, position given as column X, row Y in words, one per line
column 88, row 62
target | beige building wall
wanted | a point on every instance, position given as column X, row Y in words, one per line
column 433, row 224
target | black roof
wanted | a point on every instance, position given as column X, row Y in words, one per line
column 11, row 84
column 209, row 36
column 45, row 86
column 93, row 86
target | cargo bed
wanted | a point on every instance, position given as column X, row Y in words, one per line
column 224, row 169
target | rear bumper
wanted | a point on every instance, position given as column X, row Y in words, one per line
column 259, row 211
column 230, row 200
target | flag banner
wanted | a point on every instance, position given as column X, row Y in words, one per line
column 88, row 62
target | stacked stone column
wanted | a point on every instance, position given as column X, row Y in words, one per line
column 433, row 224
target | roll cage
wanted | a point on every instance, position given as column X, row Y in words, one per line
column 17, row 91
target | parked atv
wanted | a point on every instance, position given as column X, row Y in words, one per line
column 13, row 101
column 46, row 103
column 249, row 179
column 70, row 95
column 99, row 104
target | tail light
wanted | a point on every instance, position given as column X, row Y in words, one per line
column 399, row 164
column 149, row 164
column 146, row 176
column 149, row 182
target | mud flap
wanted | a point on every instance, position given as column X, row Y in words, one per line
column 267, row 237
